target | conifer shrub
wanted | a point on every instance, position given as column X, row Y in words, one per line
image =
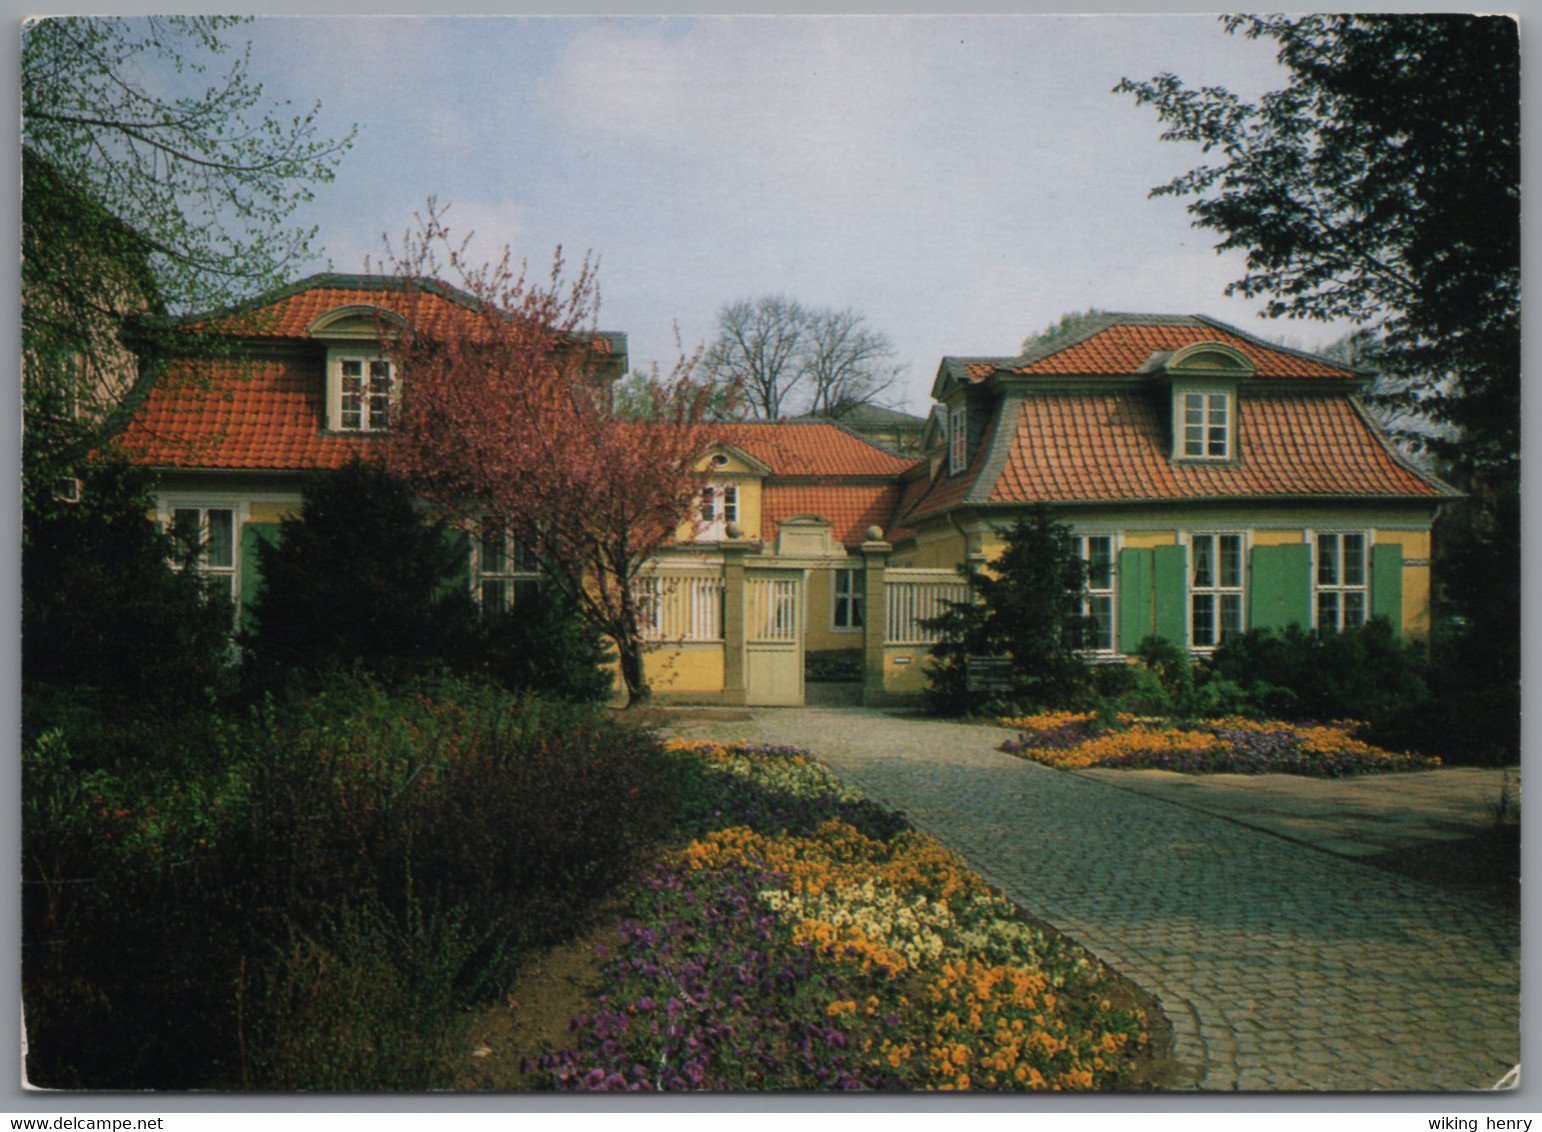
column 359, row 579
column 1027, row 607
column 101, row 584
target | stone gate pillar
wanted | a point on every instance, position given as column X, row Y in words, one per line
column 734, row 685
column 875, row 615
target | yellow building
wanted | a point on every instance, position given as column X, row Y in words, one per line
column 1215, row 483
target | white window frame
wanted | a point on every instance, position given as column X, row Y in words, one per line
column 1217, row 591
column 958, row 439
column 367, row 360
column 1212, row 426
column 165, row 515
column 717, row 505
column 509, row 568
column 852, row 600
column 1340, row 589
column 1108, row 593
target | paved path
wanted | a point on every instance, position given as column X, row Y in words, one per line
column 1280, row 967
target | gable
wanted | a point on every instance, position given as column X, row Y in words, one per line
column 725, row 459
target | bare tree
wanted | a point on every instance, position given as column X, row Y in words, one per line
column 758, row 349
column 785, row 357
column 844, row 362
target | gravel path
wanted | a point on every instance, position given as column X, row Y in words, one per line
column 1280, row 967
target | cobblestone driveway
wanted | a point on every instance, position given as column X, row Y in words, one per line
column 1280, row 967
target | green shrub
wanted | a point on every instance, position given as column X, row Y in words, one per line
column 349, row 1011
column 1028, row 608
column 1366, row 673
column 357, row 578
column 317, row 904
column 105, row 615
column 545, row 647
column 839, row 666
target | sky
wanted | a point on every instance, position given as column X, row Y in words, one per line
column 961, row 182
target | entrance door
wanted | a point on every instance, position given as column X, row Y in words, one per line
column 774, row 637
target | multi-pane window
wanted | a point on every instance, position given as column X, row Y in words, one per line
column 206, row 539
column 958, row 440
column 720, row 503
column 1215, row 589
column 1341, row 580
column 1206, row 426
column 717, row 506
column 365, row 394
column 1097, row 551
column 846, row 608
column 506, row 572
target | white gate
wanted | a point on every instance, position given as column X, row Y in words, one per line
column 773, row 626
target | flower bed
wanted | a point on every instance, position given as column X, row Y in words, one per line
column 1075, row 741
column 811, row 940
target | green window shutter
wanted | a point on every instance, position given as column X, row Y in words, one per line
column 459, row 582
column 1280, row 587
column 1135, row 604
column 251, row 568
column 1387, row 583
column 1169, row 565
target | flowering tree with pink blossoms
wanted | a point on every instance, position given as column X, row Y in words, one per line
column 504, row 422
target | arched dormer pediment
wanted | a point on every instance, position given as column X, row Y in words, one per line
column 1202, row 359
column 355, row 322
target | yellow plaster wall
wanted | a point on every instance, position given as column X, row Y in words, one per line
column 685, row 668
column 1415, row 544
column 1416, row 579
column 1145, row 540
column 939, row 549
column 1278, row 538
column 272, row 512
column 902, row 679
column 749, row 510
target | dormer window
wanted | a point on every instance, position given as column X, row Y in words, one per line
column 365, row 388
column 1205, row 423
column 361, row 380
column 958, row 440
column 718, row 506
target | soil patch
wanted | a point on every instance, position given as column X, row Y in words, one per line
column 555, row 985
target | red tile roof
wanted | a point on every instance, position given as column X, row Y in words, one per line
column 1119, row 345
column 1065, row 448
column 849, row 508
column 812, row 450
column 289, row 312
column 239, row 415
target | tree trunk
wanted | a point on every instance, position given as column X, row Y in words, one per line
column 630, row 651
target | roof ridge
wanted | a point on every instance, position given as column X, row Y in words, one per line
column 326, row 281
column 1291, row 350
column 1097, row 324
column 795, row 422
column 341, row 281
